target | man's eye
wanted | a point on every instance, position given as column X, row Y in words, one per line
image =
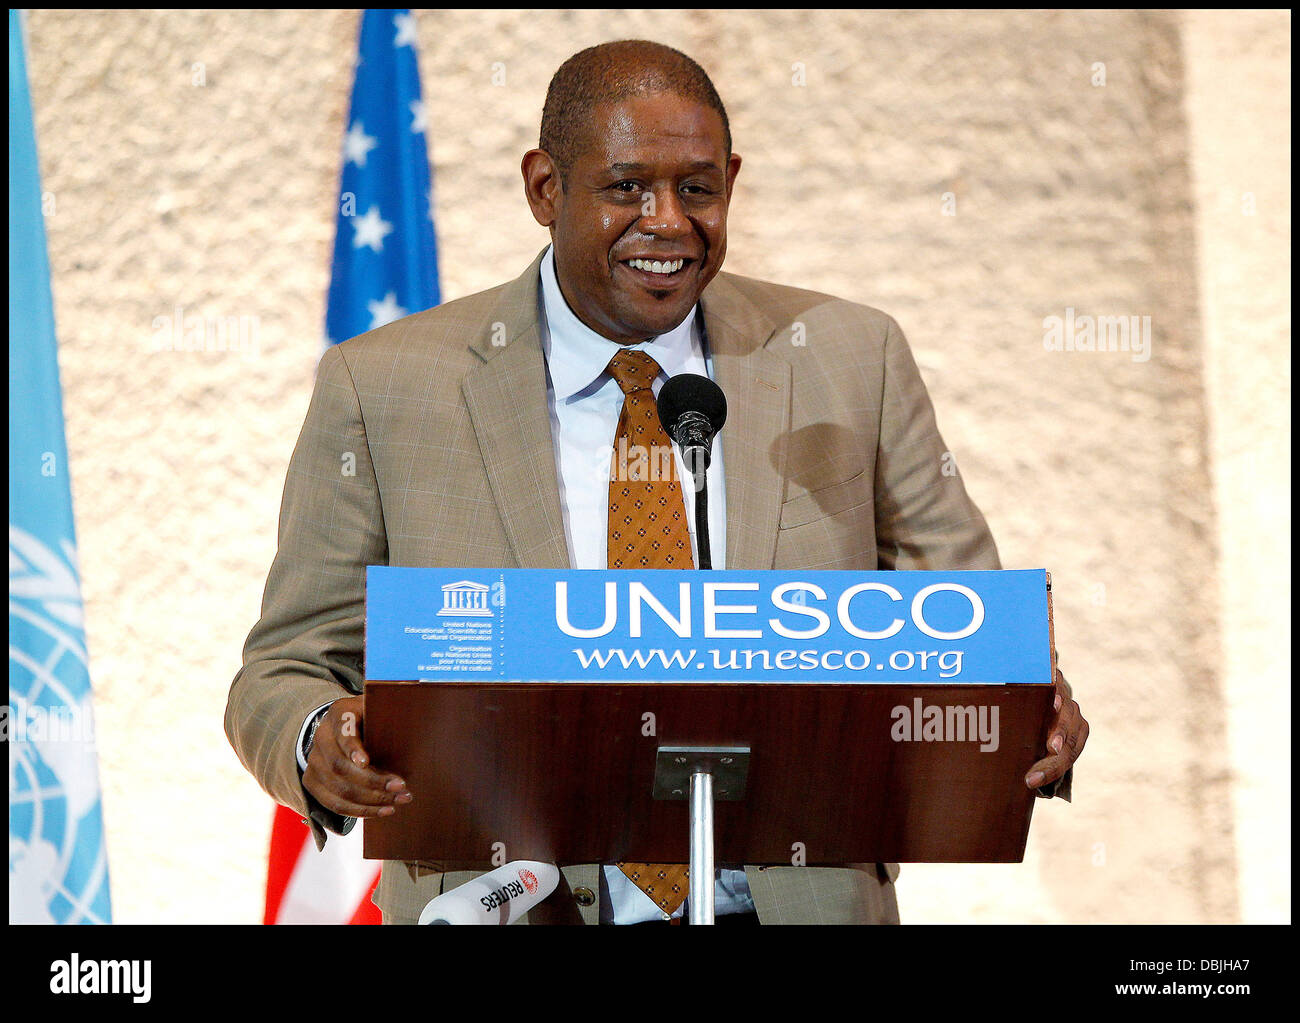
column 627, row 187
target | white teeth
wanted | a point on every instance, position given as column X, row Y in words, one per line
column 656, row 266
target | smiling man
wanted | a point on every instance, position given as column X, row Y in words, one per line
column 633, row 175
column 487, row 431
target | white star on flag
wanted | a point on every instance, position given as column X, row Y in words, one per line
column 386, row 311
column 419, row 119
column 371, row 230
column 356, row 144
column 405, row 30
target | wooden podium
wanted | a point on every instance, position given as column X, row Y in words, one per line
column 735, row 772
column 563, row 772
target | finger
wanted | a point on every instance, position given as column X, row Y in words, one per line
column 1047, row 771
column 326, row 779
column 1061, row 726
column 345, row 726
column 1069, row 732
column 1064, row 694
column 347, row 807
column 365, row 784
column 1077, row 739
column 1066, row 748
column 1060, row 699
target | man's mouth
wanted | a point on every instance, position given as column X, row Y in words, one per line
column 656, row 266
column 660, row 274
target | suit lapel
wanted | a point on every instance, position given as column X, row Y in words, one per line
column 506, row 399
column 757, row 385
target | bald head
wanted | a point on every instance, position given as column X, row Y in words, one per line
column 612, row 72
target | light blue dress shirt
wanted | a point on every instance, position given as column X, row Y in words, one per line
column 585, row 404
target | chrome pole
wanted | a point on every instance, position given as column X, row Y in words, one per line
column 701, row 891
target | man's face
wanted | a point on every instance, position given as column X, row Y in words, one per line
column 652, row 185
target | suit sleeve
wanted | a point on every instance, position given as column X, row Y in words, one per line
column 307, row 648
column 924, row 517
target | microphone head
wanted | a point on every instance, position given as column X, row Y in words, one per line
column 690, row 406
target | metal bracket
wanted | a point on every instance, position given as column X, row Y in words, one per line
column 674, row 765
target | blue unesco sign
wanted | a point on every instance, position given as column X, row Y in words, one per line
column 518, row 625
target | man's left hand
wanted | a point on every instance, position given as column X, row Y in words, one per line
column 1066, row 734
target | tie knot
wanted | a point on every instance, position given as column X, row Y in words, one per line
column 634, row 371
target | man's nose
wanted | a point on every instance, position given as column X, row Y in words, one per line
column 663, row 214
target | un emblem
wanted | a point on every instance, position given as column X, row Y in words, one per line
column 58, row 871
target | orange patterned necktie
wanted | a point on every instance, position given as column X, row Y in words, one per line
column 647, row 529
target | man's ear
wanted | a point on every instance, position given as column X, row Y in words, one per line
column 733, row 168
column 542, row 186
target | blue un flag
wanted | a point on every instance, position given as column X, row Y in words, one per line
column 58, row 870
column 385, row 264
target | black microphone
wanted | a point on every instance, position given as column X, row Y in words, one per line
column 692, row 409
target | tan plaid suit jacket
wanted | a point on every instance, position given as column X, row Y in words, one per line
column 428, row 443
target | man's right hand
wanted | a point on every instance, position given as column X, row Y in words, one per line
column 339, row 774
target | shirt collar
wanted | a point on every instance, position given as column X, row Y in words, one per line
column 576, row 356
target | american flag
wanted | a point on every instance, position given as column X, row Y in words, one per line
column 385, row 261
column 385, row 267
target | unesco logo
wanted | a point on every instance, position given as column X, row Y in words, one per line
column 465, row 599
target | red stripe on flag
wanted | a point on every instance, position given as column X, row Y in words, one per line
column 368, row 912
column 288, row 838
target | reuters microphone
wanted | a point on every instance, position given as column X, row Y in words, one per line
column 500, row 896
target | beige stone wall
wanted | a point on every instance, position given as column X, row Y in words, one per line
column 1239, row 111
column 193, row 160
